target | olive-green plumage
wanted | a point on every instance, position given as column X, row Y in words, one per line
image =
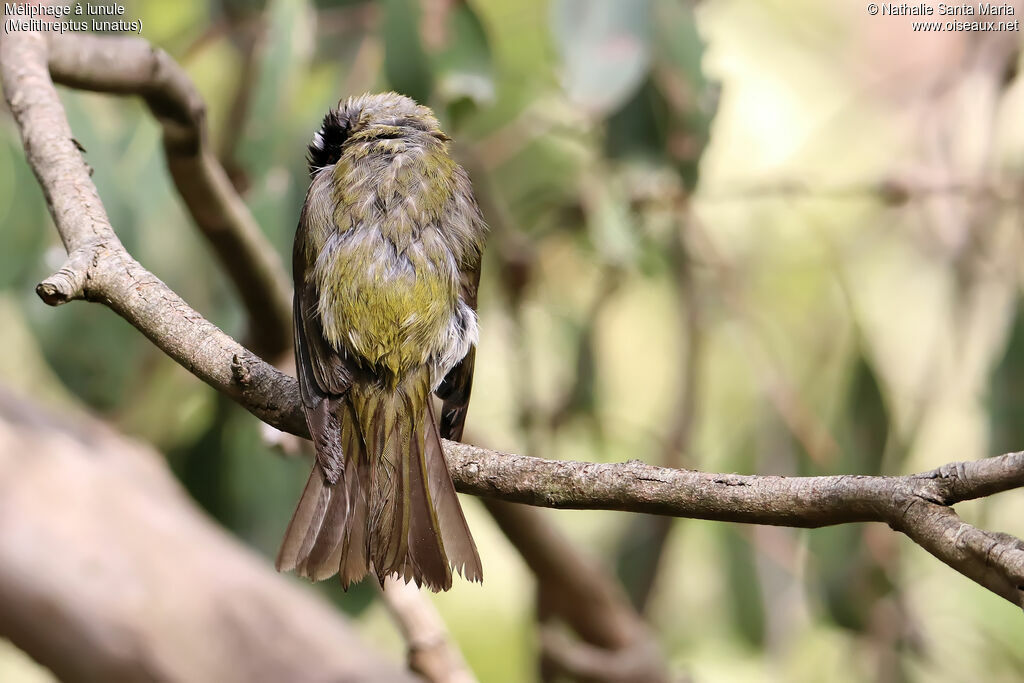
column 386, row 266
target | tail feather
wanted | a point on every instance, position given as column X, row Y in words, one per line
column 394, row 509
column 426, row 548
column 328, row 537
column 354, row 560
column 458, row 541
column 305, row 523
column 389, row 507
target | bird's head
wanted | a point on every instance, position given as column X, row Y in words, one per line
column 367, row 117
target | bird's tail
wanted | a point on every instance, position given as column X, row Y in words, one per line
column 394, row 509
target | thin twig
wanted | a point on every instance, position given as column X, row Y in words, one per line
column 431, row 652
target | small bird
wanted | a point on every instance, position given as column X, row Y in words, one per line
column 386, row 264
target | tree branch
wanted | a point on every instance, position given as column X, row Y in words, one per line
column 582, row 661
column 109, row 572
column 431, row 651
column 99, row 269
column 131, row 66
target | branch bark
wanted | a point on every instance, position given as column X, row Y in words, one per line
column 131, row 66
column 99, row 269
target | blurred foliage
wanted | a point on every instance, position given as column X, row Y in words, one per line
column 859, row 313
column 852, row 581
column 1006, row 402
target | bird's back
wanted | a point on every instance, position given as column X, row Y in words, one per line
column 388, row 281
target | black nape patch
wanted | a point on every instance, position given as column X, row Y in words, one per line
column 325, row 149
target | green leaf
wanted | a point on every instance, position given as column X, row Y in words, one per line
column 851, row 579
column 865, row 436
column 605, row 47
column 406, row 63
column 464, row 68
column 747, row 603
column 639, row 128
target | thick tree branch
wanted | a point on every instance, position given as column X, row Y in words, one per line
column 100, row 269
column 109, row 572
column 131, row 66
column 995, row 560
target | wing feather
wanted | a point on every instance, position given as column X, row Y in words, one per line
column 324, row 376
column 457, row 385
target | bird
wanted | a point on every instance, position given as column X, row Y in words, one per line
column 386, row 266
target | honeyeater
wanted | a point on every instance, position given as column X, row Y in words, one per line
column 386, row 264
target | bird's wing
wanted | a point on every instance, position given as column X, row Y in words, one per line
column 454, row 390
column 323, row 374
